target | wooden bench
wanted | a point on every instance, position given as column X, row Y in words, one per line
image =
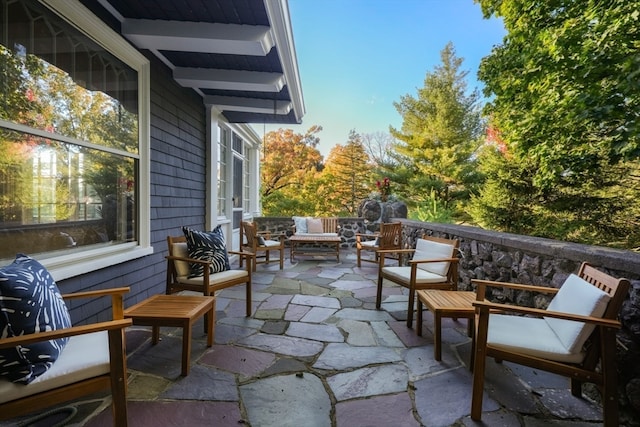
column 316, row 241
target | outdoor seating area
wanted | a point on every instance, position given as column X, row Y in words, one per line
column 316, row 344
column 315, row 236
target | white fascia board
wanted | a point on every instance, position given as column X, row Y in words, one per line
column 249, row 105
column 204, row 37
column 280, row 21
column 205, row 78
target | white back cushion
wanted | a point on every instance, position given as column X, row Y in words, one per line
column 427, row 249
column 180, row 250
column 576, row 296
column 314, row 225
column 300, row 223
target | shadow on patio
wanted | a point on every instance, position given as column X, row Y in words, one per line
column 317, row 353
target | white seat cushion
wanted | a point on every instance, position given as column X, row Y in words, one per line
column 403, row 275
column 427, row 249
column 85, row 356
column 313, row 235
column 271, row 243
column 528, row 335
column 576, row 296
column 214, row 278
column 369, row 243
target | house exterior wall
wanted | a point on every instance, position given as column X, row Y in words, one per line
column 178, row 192
column 180, row 144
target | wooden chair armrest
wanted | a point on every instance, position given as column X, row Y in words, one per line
column 395, row 251
column 490, row 283
column 117, row 300
column 486, row 306
column 67, row 332
column 360, row 236
column 191, row 260
column 482, row 285
column 422, row 261
column 243, row 254
column 97, row 293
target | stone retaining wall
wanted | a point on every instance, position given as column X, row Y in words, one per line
column 531, row 260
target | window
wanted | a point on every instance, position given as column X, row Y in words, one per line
column 238, row 180
column 70, row 137
column 223, row 138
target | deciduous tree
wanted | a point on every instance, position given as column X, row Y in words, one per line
column 566, row 101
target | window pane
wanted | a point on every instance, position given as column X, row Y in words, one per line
column 55, row 196
column 222, row 170
column 56, row 79
column 59, row 190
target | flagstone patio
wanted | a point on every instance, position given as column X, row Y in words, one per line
column 316, row 352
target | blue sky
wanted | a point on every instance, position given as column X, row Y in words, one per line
column 357, row 57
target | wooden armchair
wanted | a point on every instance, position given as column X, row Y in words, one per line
column 389, row 237
column 577, row 330
column 178, row 270
column 93, row 360
column 259, row 243
column 433, row 266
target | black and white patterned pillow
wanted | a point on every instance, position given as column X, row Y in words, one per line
column 30, row 302
column 207, row 246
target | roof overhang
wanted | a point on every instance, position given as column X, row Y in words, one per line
column 239, row 56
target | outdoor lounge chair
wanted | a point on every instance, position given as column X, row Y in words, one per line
column 178, row 272
column 259, row 243
column 93, row 360
column 577, row 330
column 433, row 266
column 389, row 237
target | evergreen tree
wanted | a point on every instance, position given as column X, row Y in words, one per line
column 440, row 133
column 564, row 103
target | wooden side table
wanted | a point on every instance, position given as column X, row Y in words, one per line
column 443, row 303
column 177, row 311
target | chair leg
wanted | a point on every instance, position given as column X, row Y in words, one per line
column 281, row 258
column 118, row 369
column 479, row 362
column 412, row 297
column 379, row 292
column 358, row 263
column 419, row 325
column 609, row 377
column 248, row 298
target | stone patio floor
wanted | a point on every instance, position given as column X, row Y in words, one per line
column 316, row 352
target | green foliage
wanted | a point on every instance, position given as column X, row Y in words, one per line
column 432, row 210
column 347, row 177
column 441, row 131
column 565, row 102
column 565, row 83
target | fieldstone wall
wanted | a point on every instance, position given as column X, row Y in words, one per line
column 374, row 212
column 284, row 225
column 522, row 259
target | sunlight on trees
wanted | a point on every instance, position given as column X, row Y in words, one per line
column 441, row 130
column 565, row 100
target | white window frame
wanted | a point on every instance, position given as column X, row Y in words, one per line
column 65, row 266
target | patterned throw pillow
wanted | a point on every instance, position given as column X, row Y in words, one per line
column 30, row 302
column 207, row 247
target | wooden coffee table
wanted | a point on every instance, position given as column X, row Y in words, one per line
column 176, row 311
column 323, row 245
column 443, row 303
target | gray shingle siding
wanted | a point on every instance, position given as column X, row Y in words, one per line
column 178, row 190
